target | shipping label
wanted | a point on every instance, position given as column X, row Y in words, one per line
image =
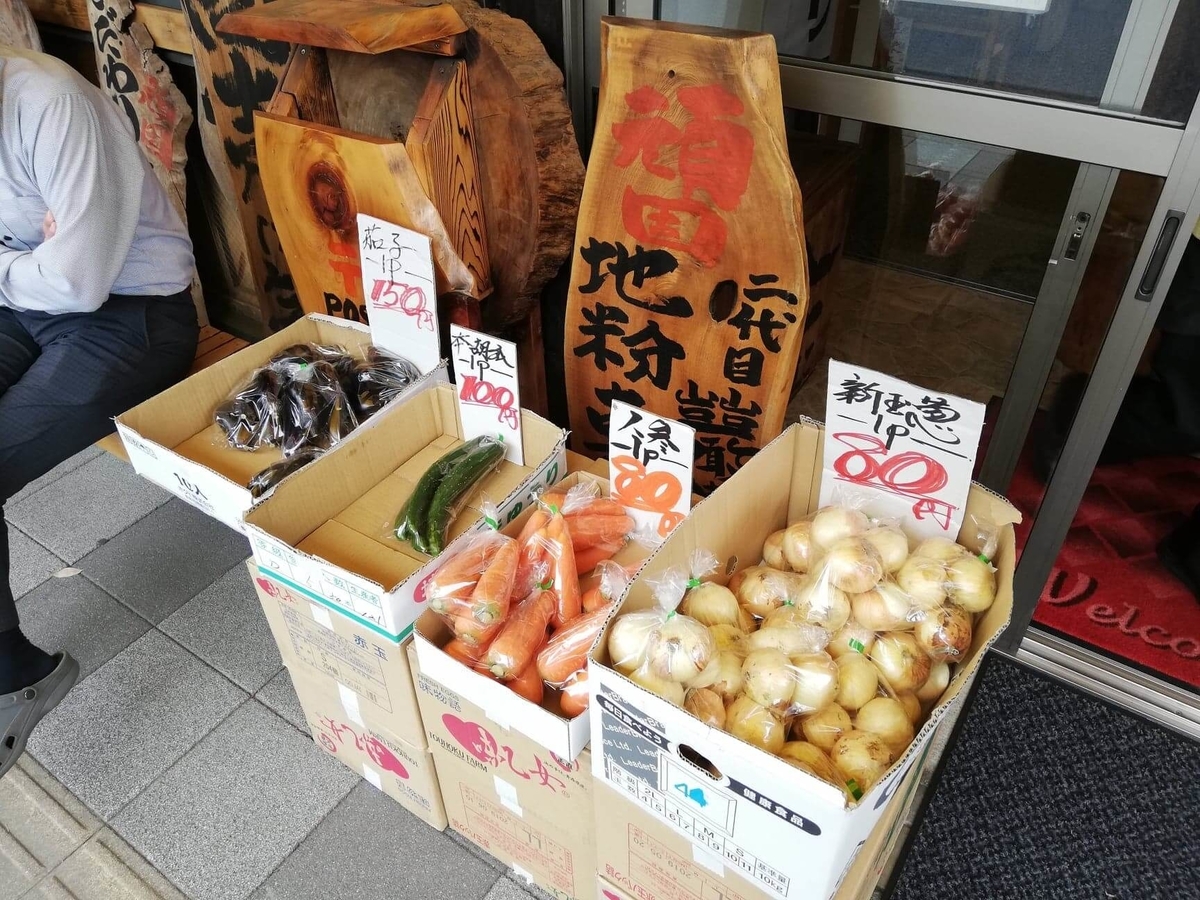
column 901, row 451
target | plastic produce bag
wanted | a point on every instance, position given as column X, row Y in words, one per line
column 264, row 482
column 380, row 380
column 472, row 589
column 250, row 419
column 521, row 635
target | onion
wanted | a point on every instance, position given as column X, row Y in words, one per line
column 679, row 649
column 726, row 636
column 773, row 552
column 735, row 580
column 833, row 523
column 671, row 691
column 945, row 633
column 763, row 589
column 858, row 681
column 815, row 676
column 825, row 605
column 971, row 584
column 891, row 544
column 824, row 727
column 935, row 685
column 883, row 608
column 790, row 640
column 886, row 719
column 628, row 638
column 912, row 706
column 853, row 565
column 901, row 661
column 746, row 621
column 769, row 680
column 710, row 604
column 853, row 638
column 810, row 759
column 755, row 724
column 942, row 549
column 726, row 675
column 706, row 706
column 923, row 579
column 861, row 758
column 798, row 546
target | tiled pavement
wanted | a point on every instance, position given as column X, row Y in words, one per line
column 180, row 766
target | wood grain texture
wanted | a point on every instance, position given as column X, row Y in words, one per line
column 139, row 83
column 17, row 27
column 319, row 180
column 360, row 26
column 689, row 282
column 360, row 81
column 238, row 76
column 167, row 27
column 307, row 83
column 441, row 146
column 66, row 13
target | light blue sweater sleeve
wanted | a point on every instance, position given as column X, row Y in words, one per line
column 92, row 185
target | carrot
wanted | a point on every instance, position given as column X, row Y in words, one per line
column 465, row 653
column 536, row 522
column 489, row 601
column 467, row 630
column 574, row 697
column 599, row 506
column 533, row 555
column 566, row 575
column 591, row 531
column 593, row 599
column 554, row 499
column 461, row 572
column 586, row 560
column 521, row 635
column 567, row 650
column 529, row 685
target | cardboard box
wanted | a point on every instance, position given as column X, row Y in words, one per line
column 401, row 770
column 526, row 807
column 565, row 737
column 795, row 835
column 368, row 670
column 324, row 532
column 640, row 858
column 172, row 440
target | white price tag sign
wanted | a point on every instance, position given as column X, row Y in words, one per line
column 489, row 398
column 908, row 453
column 400, row 290
column 650, row 466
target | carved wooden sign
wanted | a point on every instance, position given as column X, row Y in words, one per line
column 689, row 284
column 238, row 75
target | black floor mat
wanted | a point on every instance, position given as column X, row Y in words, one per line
column 1048, row 794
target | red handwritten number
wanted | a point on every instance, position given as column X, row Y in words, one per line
column 482, row 393
column 910, row 474
column 405, row 298
column 654, row 492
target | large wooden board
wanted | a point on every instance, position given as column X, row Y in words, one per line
column 359, row 26
column 319, row 179
column 238, row 76
column 17, row 28
column 689, row 282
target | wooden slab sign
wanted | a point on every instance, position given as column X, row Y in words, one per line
column 688, row 284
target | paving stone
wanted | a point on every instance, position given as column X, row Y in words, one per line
column 66, row 466
column 279, row 695
column 165, row 560
column 233, row 808
column 130, row 721
column 29, row 563
column 105, row 868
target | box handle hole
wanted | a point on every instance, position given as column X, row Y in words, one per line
column 700, row 761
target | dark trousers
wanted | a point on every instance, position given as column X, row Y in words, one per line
column 63, row 378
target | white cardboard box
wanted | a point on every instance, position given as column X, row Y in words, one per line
column 172, row 440
column 790, row 834
column 323, row 531
column 564, row 737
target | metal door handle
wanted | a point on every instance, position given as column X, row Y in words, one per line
column 1075, row 241
column 1166, row 237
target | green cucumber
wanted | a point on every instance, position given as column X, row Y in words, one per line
column 455, row 486
column 413, row 521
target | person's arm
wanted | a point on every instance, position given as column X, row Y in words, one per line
column 91, row 181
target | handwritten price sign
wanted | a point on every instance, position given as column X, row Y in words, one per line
column 650, row 466
column 398, row 280
column 489, row 399
column 906, row 451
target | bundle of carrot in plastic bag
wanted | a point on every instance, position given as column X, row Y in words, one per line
column 527, row 610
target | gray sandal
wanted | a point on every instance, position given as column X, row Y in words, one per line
column 22, row 710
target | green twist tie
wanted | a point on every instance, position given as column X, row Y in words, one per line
column 545, row 585
column 553, row 509
column 492, row 523
column 693, row 583
column 856, row 645
column 855, row 790
column 984, row 559
column 670, row 615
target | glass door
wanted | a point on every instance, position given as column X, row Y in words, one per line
column 991, row 196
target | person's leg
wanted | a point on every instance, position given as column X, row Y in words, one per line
column 90, row 368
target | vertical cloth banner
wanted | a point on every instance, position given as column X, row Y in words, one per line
column 689, row 282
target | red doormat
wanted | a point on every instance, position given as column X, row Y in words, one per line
column 1108, row 589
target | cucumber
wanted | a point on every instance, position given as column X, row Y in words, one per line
column 455, row 486
column 413, row 521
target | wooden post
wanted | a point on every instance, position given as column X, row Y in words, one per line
column 689, row 282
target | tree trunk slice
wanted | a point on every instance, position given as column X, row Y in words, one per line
column 689, row 283
column 17, row 27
